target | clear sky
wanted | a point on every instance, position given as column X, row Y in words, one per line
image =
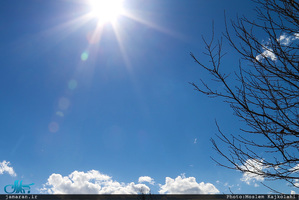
column 104, row 106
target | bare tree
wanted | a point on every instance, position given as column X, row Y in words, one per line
column 144, row 195
column 266, row 97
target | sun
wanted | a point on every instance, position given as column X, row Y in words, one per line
column 106, row 10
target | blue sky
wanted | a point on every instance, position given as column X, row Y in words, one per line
column 109, row 109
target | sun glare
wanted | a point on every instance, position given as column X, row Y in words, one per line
column 106, row 10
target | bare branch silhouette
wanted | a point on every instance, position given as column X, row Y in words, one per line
column 266, row 96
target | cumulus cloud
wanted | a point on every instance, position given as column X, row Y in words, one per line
column 95, row 182
column 252, row 165
column 4, row 167
column 91, row 182
column 183, row 185
column 146, row 179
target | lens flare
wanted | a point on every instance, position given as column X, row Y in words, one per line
column 63, row 103
column 72, row 84
column 60, row 114
column 53, row 127
column 84, row 56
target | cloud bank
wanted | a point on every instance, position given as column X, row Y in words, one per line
column 91, row 182
column 94, row 182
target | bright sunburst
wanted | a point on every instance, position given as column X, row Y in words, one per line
column 106, row 10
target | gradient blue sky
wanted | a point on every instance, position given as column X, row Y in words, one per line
column 120, row 106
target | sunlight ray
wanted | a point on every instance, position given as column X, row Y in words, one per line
column 153, row 25
column 121, row 46
column 68, row 27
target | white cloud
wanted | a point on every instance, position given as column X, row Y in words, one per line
column 4, row 167
column 295, row 169
column 94, row 182
column 183, row 185
column 286, row 40
column 146, row 179
column 254, row 166
column 267, row 53
column 293, row 192
column 283, row 40
column 91, row 182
